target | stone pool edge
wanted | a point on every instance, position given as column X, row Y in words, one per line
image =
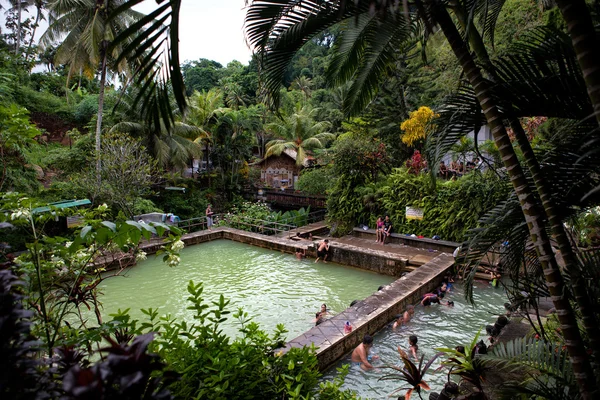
column 368, row 316
column 373, row 313
column 382, row 262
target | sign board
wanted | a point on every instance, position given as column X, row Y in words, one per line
column 414, row 213
column 74, row 221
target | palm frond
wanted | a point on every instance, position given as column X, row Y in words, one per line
column 277, row 29
column 459, row 115
column 543, row 357
column 541, row 77
column 158, row 73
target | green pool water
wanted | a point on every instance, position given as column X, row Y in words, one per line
column 272, row 287
column 435, row 326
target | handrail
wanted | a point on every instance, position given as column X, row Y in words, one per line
column 253, row 224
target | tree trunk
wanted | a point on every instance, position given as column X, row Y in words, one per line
column 568, row 323
column 565, row 246
column 558, row 231
column 100, row 111
column 581, row 29
column 38, row 6
column 18, row 35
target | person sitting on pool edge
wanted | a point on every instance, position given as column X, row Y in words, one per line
column 323, row 251
column 360, row 355
column 387, row 228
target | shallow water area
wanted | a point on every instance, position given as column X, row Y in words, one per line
column 272, row 287
column 435, row 326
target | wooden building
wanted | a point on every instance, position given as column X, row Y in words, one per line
column 281, row 171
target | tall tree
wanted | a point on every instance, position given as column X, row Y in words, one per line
column 88, row 29
column 269, row 28
column 585, row 41
column 298, row 132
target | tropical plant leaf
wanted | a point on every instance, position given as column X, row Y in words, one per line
column 153, row 49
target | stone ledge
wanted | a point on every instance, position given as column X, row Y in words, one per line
column 373, row 313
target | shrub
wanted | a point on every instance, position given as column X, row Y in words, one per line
column 317, row 181
column 449, row 212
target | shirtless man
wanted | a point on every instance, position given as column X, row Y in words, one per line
column 360, row 355
column 323, row 251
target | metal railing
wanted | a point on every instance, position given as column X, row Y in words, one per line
column 252, row 224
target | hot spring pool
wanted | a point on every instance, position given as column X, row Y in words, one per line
column 435, row 326
column 272, row 287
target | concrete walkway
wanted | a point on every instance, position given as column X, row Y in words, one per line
column 316, row 228
column 414, row 256
column 373, row 313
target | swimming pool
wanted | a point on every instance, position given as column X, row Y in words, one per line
column 435, row 326
column 273, row 287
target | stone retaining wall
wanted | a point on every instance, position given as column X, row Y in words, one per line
column 382, row 262
column 372, row 314
column 424, row 243
column 367, row 316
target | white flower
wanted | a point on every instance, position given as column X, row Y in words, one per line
column 102, row 207
column 177, row 246
column 21, row 213
column 173, row 260
column 140, row 256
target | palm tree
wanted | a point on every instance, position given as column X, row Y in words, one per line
column 585, row 42
column 173, row 147
column 298, row 132
column 269, row 29
column 303, row 84
column 89, row 28
column 203, row 112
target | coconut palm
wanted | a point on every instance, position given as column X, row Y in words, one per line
column 303, row 84
column 279, row 30
column 298, row 132
column 173, row 147
column 88, row 31
column 585, row 42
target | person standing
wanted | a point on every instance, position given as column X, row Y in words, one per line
column 209, row 217
column 323, row 251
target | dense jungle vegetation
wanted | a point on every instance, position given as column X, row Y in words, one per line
column 374, row 97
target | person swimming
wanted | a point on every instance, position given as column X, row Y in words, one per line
column 410, row 311
column 320, row 315
column 430, row 299
column 398, row 323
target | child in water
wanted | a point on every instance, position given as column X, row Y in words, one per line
column 413, row 346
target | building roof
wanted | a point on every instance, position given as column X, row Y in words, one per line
column 62, row 204
column 291, row 153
